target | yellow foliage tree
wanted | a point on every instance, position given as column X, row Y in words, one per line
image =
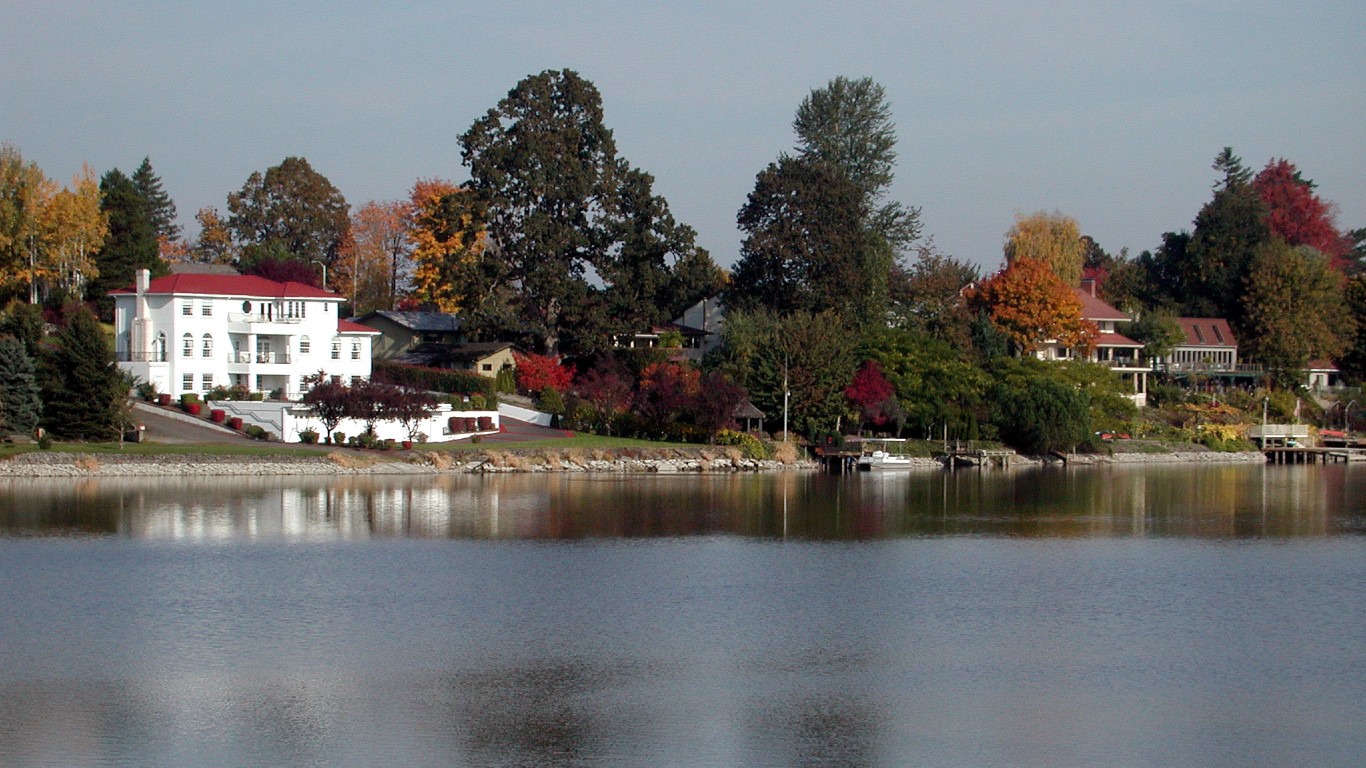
column 24, row 192
column 1031, row 305
column 1051, row 238
column 448, row 237
column 72, row 228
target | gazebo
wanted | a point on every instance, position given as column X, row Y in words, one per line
column 749, row 414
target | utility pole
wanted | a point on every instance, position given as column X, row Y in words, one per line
column 785, row 396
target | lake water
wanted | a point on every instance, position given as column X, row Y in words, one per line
column 1159, row 616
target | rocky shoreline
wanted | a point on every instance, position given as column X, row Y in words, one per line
column 43, row 464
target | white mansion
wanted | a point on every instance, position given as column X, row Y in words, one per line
column 193, row 332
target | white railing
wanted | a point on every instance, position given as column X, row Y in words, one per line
column 269, row 358
column 257, row 317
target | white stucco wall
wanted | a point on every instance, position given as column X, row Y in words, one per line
column 286, row 421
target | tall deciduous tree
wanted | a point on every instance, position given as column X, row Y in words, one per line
column 24, row 192
column 290, row 209
column 928, row 294
column 1296, row 310
column 1297, row 215
column 848, row 125
column 1031, row 304
column 73, row 230
column 544, row 163
column 82, row 385
column 1050, row 238
column 806, row 247
column 653, row 269
column 375, row 259
column 446, row 226
column 214, row 243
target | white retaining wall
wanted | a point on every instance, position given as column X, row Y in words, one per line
column 287, row 420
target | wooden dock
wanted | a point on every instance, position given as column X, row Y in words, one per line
column 1296, row 455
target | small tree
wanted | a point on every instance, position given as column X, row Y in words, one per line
column 869, row 392
column 412, row 408
column 330, row 401
column 374, row 401
column 717, row 398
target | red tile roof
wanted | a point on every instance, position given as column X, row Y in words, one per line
column 1116, row 340
column 1207, row 332
column 249, row 286
column 346, row 326
column 1094, row 309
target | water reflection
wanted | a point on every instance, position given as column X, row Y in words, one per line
column 1203, row 501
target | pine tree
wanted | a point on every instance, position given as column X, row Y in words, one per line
column 131, row 243
column 83, row 384
column 20, row 403
column 160, row 208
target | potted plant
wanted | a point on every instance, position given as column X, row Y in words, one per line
column 235, row 422
column 163, row 399
column 218, row 415
column 308, row 436
column 339, row 438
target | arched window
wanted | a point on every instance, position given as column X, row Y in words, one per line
column 187, row 345
column 304, row 345
column 159, row 348
column 207, row 347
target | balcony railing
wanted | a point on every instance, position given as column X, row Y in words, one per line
column 267, row 358
column 129, row 356
column 257, row 317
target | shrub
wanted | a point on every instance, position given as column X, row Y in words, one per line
column 257, row 397
column 147, row 391
column 551, row 401
column 188, row 399
column 750, row 446
column 431, row 379
column 256, row 431
column 45, row 441
column 539, row 372
column 339, row 438
column 308, row 436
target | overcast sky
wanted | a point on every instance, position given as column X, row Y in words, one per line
column 1111, row 113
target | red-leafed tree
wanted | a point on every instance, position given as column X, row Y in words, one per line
column 606, row 388
column 539, row 372
column 1297, row 215
column 667, row 392
column 870, row 392
column 717, row 398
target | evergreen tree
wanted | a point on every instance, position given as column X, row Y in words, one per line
column 20, row 401
column 85, row 390
column 130, row 245
column 160, row 208
column 24, row 322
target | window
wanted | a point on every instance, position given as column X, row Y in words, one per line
column 304, row 345
column 336, row 349
column 206, row 308
column 1200, row 337
column 187, row 382
column 187, row 345
column 355, row 350
column 486, row 367
column 208, row 382
column 187, row 308
column 159, row 348
column 207, row 348
column 1218, row 334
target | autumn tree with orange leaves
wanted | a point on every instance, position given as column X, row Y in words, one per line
column 448, row 237
column 1032, row 305
column 374, row 261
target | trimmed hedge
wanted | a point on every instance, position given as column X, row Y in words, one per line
column 433, row 379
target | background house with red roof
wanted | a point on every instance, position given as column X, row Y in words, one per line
column 1113, row 349
column 192, row 332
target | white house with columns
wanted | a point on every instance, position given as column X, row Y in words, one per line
column 193, row 332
